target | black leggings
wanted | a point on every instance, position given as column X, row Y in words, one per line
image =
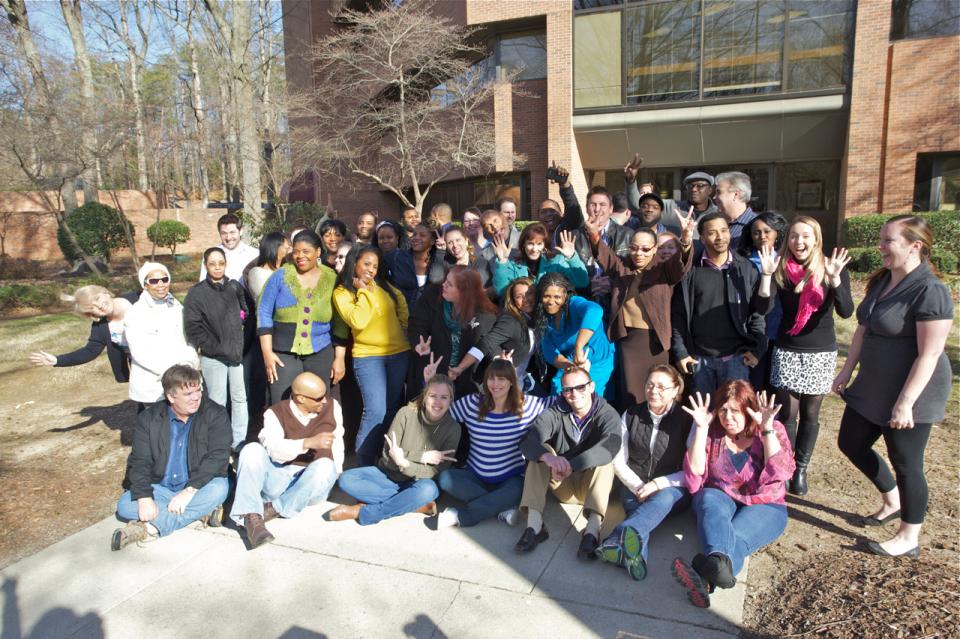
column 905, row 448
column 318, row 363
column 804, row 409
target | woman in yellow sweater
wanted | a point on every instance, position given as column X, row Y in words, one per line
column 376, row 313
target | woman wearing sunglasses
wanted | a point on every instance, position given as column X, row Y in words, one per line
column 153, row 328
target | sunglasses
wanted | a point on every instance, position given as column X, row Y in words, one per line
column 570, row 390
column 153, row 281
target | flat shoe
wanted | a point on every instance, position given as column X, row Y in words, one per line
column 877, row 549
column 530, row 540
column 588, row 547
column 870, row 522
column 345, row 513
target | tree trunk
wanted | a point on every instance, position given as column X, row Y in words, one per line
column 74, row 20
column 199, row 117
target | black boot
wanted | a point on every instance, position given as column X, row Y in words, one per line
column 798, row 484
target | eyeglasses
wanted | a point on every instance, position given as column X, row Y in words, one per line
column 658, row 387
column 315, row 399
column 546, row 211
column 153, row 281
column 698, row 186
column 570, row 390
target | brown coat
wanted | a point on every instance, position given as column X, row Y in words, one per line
column 653, row 287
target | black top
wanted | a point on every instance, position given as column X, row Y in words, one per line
column 100, row 339
column 212, row 322
column 712, row 329
column 818, row 334
column 890, row 348
column 666, row 456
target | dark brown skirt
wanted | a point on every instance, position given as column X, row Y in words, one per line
column 638, row 352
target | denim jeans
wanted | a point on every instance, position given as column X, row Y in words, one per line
column 481, row 500
column 380, row 379
column 714, row 371
column 218, row 377
column 644, row 516
column 385, row 498
column 204, row 501
column 289, row 487
column 733, row 529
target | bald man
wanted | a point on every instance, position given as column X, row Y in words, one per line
column 296, row 462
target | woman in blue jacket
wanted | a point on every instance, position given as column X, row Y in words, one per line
column 570, row 332
column 536, row 257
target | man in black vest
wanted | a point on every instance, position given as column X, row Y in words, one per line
column 296, row 461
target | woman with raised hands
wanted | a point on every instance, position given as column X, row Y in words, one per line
column 803, row 363
column 737, row 466
column 536, row 257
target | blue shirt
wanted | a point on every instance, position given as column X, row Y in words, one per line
column 176, row 475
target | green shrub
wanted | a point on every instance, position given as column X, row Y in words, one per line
column 99, row 230
column 15, row 296
column 864, row 230
column 865, row 260
column 945, row 261
column 168, row 233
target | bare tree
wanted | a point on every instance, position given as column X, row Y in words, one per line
column 397, row 102
column 91, row 174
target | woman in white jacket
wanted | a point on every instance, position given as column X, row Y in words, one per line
column 153, row 328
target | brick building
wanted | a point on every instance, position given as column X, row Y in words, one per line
column 833, row 107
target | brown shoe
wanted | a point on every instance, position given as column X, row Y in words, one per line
column 269, row 512
column 430, row 509
column 133, row 532
column 345, row 513
column 257, row 533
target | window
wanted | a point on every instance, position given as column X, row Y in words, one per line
column 924, row 19
column 663, row 52
column 816, row 55
column 596, row 60
column 742, row 47
column 937, row 182
column 525, row 55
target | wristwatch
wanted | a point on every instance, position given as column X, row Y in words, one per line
column 767, row 432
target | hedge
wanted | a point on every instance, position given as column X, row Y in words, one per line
column 28, row 296
column 864, row 230
column 867, row 260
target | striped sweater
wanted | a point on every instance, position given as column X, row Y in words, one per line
column 495, row 442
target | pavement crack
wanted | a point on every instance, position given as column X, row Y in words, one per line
column 437, row 633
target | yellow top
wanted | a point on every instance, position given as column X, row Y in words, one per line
column 377, row 322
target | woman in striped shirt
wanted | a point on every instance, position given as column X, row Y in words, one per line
column 496, row 420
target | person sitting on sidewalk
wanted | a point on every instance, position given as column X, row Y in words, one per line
column 420, row 445
column 570, row 448
column 178, row 463
column 296, row 461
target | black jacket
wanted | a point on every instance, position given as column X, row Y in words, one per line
column 598, row 445
column 510, row 334
column 212, row 322
column 426, row 319
column 208, row 447
column 747, row 308
column 666, row 456
column 100, row 339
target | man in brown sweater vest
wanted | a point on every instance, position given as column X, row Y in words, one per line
column 296, row 461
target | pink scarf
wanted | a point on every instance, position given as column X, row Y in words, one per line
column 811, row 297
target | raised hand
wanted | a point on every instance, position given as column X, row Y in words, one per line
column 687, row 226
column 394, row 451
column 632, row 168
column 768, row 260
column 439, row 242
column 835, row 264
column 563, row 174
column 423, row 347
column 431, row 369
column 700, row 410
column 434, row 457
column 769, row 408
column 568, row 245
column 501, row 248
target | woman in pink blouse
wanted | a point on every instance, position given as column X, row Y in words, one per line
column 737, row 465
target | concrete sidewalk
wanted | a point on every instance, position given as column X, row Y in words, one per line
column 321, row 579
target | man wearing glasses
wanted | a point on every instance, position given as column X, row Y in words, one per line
column 570, row 448
column 699, row 187
column 294, row 464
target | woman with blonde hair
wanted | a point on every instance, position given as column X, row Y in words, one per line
column 106, row 331
column 810, row 287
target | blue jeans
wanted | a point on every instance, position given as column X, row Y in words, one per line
column 714, row 371
column 204, row 501
column 644, row 516
column 385, row 498
column 380, row 379
column 289, row 488
column 481, row 500
column 733, row 529
column 218, row 377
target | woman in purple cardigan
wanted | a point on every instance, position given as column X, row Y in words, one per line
column 737, row 464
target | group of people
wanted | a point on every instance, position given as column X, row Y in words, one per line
column 678, row 350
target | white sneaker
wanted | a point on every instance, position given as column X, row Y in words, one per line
column 510, row 516
column 449, row 517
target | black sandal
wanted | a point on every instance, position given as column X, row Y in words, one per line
column 696, row 589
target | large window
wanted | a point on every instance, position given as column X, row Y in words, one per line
column 692, row 50
column 525, row 55
column 937, row 182
column 924, row 18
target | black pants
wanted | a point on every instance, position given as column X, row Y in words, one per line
column 801, row 418
column 905, row 448
column 318, row 363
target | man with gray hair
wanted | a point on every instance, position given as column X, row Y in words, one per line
column 733, row 200
column 177, row 467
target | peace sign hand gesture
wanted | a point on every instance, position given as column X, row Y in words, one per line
column 423, row 348
column 700, row 410
column 394, row 451
column 768, row 260
column 434, row 457
column 687, row 226
column 768, row 410
column 439, row 243
column 505, row 354
column 431, row 369
column 835, row 264
column 632, row 168
column 568, row 246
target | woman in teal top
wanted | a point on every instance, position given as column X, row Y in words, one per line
column 296, row 322
column 536, row 257
column 570, row 332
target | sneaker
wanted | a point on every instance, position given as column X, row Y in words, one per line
column 509, row 516
column 611, row 550
column 633, row 554
column 133, row 532
column 449, row 517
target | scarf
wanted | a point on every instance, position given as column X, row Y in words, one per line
column 167, row 301
column 454, row 327
column 811, row 297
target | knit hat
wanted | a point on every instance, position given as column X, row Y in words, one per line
column 150, row 267
column 699, row 175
